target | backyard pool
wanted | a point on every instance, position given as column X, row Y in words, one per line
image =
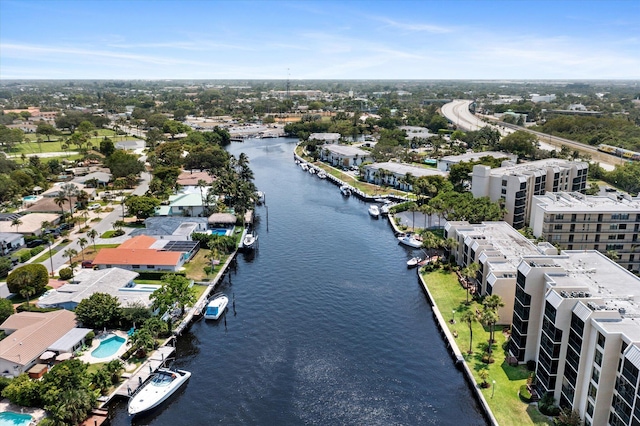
column 31, row 198
column 9, row 418
column 108, row 347
column 219, row 231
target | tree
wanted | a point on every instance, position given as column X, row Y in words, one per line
column 99, row 310
column 123, row 164
column 33, row 276
column 520, row 142
column 16, row 222
column 60, row 200
column 490, row 315
column 66, row 392
column 176, row 290
column 142, row 206
column 46, row 129
column 142, row 341
column 469, row 273
column 92, row 233
column 70, row 253
column 6, row 309
column 23, row 391
column 468, row 317
column 568, row 417
column 82, row 242
column 107, row 147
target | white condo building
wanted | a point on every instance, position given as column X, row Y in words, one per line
column 581, row 222
column 515, row 185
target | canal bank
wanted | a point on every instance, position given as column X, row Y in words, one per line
column 329, row 325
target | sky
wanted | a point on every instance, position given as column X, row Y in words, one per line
column 323, row 39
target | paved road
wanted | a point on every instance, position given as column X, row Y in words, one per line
column 457, row 111
column 101, row 227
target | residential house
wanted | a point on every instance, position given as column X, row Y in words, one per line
column 327, row 138
column 10, row 241
column 144, row 253
column 116, row 282
column 31, row 223
column 29, row 334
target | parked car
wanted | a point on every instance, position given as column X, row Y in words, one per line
column 34, row 243
column 94, row 206
column 64, row 227
column 87, row 264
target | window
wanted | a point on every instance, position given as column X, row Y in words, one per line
column 595, row 375
column 613, row 226
column 593, row 391
column 559, row 216
column 601, row 340
column 598, row 358
column 557, row 226
column 150, row 266
column 135, row 266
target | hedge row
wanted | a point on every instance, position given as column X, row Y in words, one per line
column 157, row 276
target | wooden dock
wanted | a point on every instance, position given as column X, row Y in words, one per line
column 158, row 359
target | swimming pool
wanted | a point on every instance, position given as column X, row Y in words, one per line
column 108, row 347
column 30, row 198
column 219, row 231
column 9, row 418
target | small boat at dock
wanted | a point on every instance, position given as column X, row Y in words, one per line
column 413, row 262
column 154, row 392
column 374, row 211
column 322, row 174
column 345, row 190
column 249, row 241
column 410, row 240
column 216, row 306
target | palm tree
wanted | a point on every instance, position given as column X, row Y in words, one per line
column 70, row 253
column 16, row 222
column 489, row 319
column 85, row 216
column 93, row 234
column 613, row 255
column 82, row 242
column 469, row 318
column 427, row 210
column 60, row 200
column 26, row 292
column 469, row 273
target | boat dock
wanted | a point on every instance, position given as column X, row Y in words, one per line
column 157, row 359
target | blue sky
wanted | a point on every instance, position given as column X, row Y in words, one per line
column 143, row 39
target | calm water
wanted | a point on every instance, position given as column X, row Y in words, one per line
column 329, row 326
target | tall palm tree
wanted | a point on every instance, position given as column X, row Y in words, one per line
column 60, row 200
column 82, row 242
column 469, row 273
column 16, row 222
column 93, row 234
column 70, row 253
column 468, row 317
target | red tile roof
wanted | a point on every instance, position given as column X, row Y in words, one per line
column 136, row 251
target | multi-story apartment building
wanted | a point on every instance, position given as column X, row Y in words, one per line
column 497, row 248
column 515, row 185
column 577, row 315
column 575, row 221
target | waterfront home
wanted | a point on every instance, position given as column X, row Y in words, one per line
column 116, row 282
column 344, row 155
column 183, row 204
column 327, row 138
column 144, row 253
column 191, row 178
column 29, row 335
column 394, row 174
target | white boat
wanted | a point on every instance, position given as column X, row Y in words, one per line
column 249, row 241
column 374, row 211
column 312, row 170
column 384, row 209
column 345, row 190
column 410, row 240
column 161, row 386
column 322, row 174
column 216, row 306
column 413, row 262
column 304, row 166
column 259, row 197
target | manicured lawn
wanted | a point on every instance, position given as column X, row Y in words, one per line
column 195, row 268
column 503, row 399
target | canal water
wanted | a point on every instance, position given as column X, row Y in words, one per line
column 329, row 326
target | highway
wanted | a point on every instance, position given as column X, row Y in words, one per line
column 457, row 111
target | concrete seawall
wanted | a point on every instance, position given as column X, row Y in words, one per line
column 457, row 355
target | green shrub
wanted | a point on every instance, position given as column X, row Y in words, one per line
column 89, row 338
column 524, row 394
column 33, row 308
column 66, row 273
column 156, row 275
column 36, row 250
column 24, row 256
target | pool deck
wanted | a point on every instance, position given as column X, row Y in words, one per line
column 87, row 357
column 37, row 413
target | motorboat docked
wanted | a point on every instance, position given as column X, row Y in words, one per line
column 249, row 241
column 216, row 306
column 259, row 197
column 410, row 240
column 384, row 209
column 304, row 166
column 374, row 211
column 345, row 190
column 322, row 174
column 161, row 386
column 413, row 262
column 311, row 170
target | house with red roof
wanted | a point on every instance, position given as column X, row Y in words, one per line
column 144, row 253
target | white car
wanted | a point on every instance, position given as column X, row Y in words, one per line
column 94, row 206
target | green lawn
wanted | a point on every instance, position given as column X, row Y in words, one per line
column 503, row 400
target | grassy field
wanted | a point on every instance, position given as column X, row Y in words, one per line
column 503, row 397
column 55, row 145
